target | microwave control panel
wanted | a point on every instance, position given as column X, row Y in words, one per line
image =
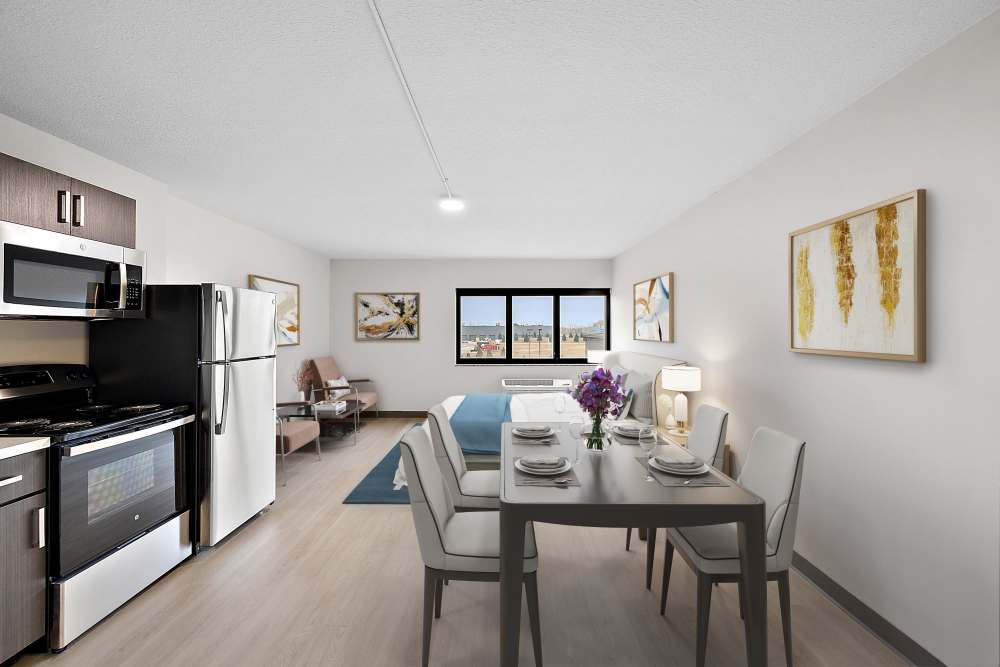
column 133, row 288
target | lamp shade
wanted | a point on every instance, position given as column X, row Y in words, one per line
column 681, row 378
column 596, row 356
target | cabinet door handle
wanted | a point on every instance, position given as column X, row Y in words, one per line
column 79, row 210
column 41, row 527
column 7, row 481
column 62, row 215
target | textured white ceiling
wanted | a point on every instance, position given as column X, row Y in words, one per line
column 572, row 129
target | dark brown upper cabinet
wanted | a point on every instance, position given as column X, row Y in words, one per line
column 37, row 197
column 33, row 196
column 101, row 215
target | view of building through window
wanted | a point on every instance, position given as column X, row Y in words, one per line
column 559, row 325
column 531, row 329
column 484, row 327
column 581, row 326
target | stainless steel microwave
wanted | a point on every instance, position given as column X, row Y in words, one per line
column 51, row 275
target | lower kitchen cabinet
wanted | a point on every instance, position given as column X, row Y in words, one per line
column 22, row 575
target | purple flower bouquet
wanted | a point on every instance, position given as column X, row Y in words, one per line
column 600, row 395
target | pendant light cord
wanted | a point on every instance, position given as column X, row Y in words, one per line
column 409, row 96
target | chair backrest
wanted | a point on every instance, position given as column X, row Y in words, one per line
column 773, row 471
column 429, row 500
column 447, row 451
column 707, row 440
column 323, row 370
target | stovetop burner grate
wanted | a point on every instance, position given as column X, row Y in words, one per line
column 133, row 409
column 69, row 425
column 23, row 423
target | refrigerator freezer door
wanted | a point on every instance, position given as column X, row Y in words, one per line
column 238, row 323
column 241, row 464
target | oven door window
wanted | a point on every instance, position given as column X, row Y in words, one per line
column 45, row 278
column 109, row 496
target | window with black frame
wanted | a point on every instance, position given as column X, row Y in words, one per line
column 530, row 326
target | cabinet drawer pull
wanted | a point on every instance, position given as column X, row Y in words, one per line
column 41, row 527
column 79, row 210
column 63, row 213
column 7, row 481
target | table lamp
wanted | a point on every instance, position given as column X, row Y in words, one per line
column 681, row 379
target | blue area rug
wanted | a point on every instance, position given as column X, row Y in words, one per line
column 376, row 487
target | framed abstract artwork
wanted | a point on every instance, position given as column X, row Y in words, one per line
column 653, row 309
column 387, row 316
column 856, row 283
column 286, row 307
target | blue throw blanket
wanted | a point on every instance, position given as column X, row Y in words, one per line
column 477, row 422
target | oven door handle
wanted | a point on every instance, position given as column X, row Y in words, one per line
column 89, row 447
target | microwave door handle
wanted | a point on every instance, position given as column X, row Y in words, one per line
column 122, row 282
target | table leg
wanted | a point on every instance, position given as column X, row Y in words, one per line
column 511, row 575
column 754, row 569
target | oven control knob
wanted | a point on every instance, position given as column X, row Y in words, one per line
column 136, row 517
column 71, row 376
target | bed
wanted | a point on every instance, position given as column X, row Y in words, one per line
column 641, row 371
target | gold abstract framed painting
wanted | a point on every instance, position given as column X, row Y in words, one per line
column 387, row 316
column 653, row 309
column 856, row 283
column 286, row 307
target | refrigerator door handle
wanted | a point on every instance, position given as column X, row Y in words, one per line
column 220, row 426
column 220, row 297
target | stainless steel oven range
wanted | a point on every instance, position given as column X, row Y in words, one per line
column 119, row 489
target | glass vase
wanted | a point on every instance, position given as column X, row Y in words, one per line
column 595, row 439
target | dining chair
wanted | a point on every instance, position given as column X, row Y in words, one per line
column 707, row 441
column 469, row 489
column 774, row 472
column 457, row 546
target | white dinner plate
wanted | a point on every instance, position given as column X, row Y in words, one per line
column 684, row 473
column 535, row 433
column 565, row 467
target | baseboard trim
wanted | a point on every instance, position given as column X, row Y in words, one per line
column 395, row 414
column 883, row 629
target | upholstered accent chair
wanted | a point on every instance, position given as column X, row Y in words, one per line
column 707, row 441
column 469, row 489
column 327, row 379
column 457, row 546
column 774, row 472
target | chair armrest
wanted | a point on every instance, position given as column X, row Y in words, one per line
column 288, row 404
column 359, row 380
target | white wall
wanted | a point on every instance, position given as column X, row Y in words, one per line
column 900, row 495
column 184, row 244
column 413, row 375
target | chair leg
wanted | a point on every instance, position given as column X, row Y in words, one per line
column 438, row 592
column 786, row 614
column 628, row 538
column 739, row 586
column 531, row 592
column 704, row 604
column 319, row 453
column 429, row 586
column 668, row 562
column 650, row 553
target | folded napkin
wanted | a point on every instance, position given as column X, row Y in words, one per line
column 533, row 429
column 677, row 458
column 542, row 462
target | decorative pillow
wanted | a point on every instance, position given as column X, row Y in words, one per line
column 626, row 406
column 618, row 370
column 339, row 382
column 642, row 395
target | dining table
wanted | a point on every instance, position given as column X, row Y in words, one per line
column 610, row 489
